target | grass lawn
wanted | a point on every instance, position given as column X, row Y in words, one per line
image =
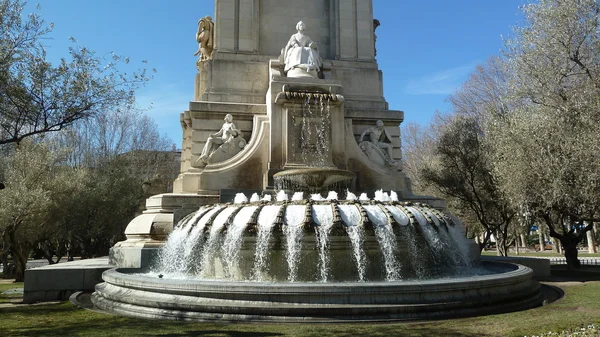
column 580, row 306
column 6, row 286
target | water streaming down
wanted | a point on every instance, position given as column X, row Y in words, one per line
column 460, row 238
column 294, row 217
column 211, row 249
column 290, row 239
column 351, row 216
column 387, row 241
column 409, row 237
column 175, row 254
column 314, row 138
column 323, row 217
column 266, row 221
column 450, row 244
column 233, row 242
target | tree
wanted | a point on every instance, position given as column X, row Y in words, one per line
column 462, row 171
column 482, row 96
column 120, row 152
column 547, row 146
column 418, row 148
column 451, row 156
column 31, row 176
column 38, row 97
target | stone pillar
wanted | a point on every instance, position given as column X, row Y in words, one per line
column 236, row 26
column 354, row 34
column 591, row 242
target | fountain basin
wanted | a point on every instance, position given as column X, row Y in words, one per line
column 314, row 180
column 505, row 287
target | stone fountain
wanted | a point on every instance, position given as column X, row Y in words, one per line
column 298, row 132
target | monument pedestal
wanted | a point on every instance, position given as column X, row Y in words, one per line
column 148, row 231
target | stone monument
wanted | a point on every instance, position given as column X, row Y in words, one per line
column 303, row 103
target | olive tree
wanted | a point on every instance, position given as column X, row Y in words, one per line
column 547, row 147
column 451, row 157
column 32, row 180
column 462, row 171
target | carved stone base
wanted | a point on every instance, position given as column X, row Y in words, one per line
column 300, row 73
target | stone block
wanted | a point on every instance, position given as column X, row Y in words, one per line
column 58, row 281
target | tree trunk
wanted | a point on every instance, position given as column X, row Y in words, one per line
column 523, row 240
column 20, row 263
column 596, row 233
column 555, row 246
column 501, row 248
column 541, row 240
column 591, row 242
column 570, row 248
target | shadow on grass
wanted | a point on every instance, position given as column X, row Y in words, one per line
column 66, row 320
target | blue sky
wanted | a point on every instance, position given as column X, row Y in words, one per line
column 425, row 48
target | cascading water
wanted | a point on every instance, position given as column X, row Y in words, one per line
column 323, row 218
column 266, row 221
column 312, row 169
column 317, row 259
column 314, row 138
column 301, row 239
column 294, row 217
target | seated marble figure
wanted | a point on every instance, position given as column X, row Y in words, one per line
column 222, row 145
column 301, row 56
column 379, row 145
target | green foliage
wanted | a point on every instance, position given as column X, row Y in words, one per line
column 547, row 146
column 93, row 214
column 461, row 170
column 30, row 178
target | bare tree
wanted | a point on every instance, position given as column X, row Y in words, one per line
column 38, row 97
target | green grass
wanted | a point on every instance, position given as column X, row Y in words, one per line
column 6, row 285
column 580, row 306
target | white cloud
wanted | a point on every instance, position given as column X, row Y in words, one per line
column 443, row 82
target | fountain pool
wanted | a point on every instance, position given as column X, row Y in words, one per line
column 317, row 259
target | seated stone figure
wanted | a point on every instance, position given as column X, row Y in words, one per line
column 379, row 146
column 301, row 56
column 222, row 145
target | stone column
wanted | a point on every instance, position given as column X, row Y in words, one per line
column 591, row 242
column 354, row 34
column 236, row 26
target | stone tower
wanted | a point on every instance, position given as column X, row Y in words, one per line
column 258, row 85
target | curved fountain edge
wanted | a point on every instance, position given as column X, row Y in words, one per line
column 139, row 296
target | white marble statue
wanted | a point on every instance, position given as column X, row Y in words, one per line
column 379, row 146
column 301, row 56
column 222, row 145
